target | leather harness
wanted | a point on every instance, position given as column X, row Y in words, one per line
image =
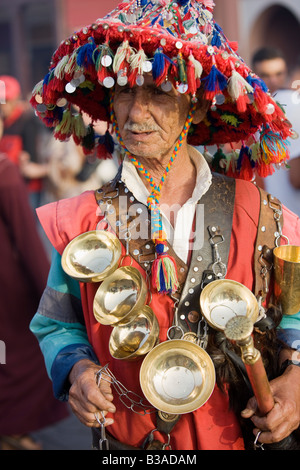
column 208, row 262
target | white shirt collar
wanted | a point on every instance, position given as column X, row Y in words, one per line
column 178, row 236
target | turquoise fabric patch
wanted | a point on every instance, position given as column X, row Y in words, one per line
column 289, row 322
column 59, row 280
column 54, row 335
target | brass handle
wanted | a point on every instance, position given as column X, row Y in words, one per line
column 239, row 331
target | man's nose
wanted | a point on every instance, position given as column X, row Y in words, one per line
column 139, row 106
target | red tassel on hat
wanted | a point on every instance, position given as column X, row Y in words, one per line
column 194, row 71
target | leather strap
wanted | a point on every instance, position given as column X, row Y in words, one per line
column 218, row 206
column 124, row 212
column 215, row 213
column 265, row 242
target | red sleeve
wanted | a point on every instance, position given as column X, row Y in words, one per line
column 67, row 218
column 244, row 232
column 291, row 227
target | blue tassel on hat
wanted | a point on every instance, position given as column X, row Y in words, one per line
column 160, row 64
column 216, row 38
column 255, row 81
column 214, row 83
column 107, row 141
column 247, row 153
column 182, row 2
column 85, row 54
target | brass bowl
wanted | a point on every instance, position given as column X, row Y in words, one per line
column 135, row 339
column 92, row 256
column 287, row 278
column 120, row 297
column 224, row 299
column 177, row 377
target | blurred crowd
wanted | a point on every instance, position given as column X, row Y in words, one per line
column 51, row 169
column 284, row 84
column 34, row 169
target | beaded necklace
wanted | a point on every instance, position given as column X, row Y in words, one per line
column 164, row 270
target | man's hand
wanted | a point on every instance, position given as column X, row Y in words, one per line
column 86, row 398
column 284, row 418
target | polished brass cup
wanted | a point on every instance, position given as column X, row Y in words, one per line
column 224, row 299
column 92, row 256
column 177, row 376
column 287, row 278
column 120, row 297
column 135, row 339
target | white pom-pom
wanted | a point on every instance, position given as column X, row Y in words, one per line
column 238, row 86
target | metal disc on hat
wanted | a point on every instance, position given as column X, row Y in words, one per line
column 61, row 102
column 81, row 78
column 182, row 88
column 193, row 30
column 122, row 80
column 147, row 66
column 106, row 61
column 140, row 80
column 38, row 99
column 77, row 74
column 220, row 99
column 75, row 82
column 108, row 82
column 294, row 135
column 41, row 108
column 270, row 109
column 70, row 88
column 166, row 86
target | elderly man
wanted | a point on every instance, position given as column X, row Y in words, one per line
column 164, row 76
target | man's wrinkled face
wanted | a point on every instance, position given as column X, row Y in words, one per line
column 273, row 72
column 149, row 119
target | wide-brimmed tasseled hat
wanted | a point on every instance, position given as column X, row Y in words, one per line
column 180, row 44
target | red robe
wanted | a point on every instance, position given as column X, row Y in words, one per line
column 213, row 426
column 26, row 396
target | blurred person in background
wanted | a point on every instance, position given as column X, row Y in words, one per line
column 271, row 66
column 21, row 135
column 295, row 78
column 26, row 396
column 71, row 170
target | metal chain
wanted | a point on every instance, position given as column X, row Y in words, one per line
column 130, row 400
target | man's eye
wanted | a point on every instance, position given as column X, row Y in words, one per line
column 159, row 91
column 125, row 90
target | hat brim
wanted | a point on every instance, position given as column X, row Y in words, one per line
column 224, row 123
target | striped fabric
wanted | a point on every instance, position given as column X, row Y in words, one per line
column 59, row 327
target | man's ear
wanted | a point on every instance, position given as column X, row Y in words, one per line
column 201, row 110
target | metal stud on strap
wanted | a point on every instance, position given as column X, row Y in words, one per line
column 276, row 206
column 219, row 268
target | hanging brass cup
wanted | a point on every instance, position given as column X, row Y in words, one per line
column 287, row 278
column 135, row 339
column 177, row 377
column 92, row 256
column 120, row 297
column 224, row 299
